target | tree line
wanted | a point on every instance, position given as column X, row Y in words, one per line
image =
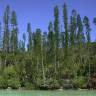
column 65, row 52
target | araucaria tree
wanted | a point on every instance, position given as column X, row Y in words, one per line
column 6, row 35
column 14, row 33
column 65, row 20
column 29, row 37
column 56, row 30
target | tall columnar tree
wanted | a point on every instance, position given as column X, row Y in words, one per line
column 37, row 42
column 80, row 44
column 56, row 30
column 6, row 34
column 45, row 48
column 80, row 34
column 42, row 61
column 56, row 25
column 62, row 39
column 14, row 33
column 37, row 49
column 29, row 37
column 88, row 29
column 73, row 27
column 51, row 44
column 65, row 20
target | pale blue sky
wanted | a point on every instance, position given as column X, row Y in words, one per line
column 40, row 12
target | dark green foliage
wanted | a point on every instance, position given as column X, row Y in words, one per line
column 29, row 37
column 56, row 26
column 65, row 19
column 29, row 86
column 88, row 29
column 79, row 82
column 80, row 34
column 14, row 83
column 51, row 43
column 6, row 34
column 56, row 37
column 73, row 26
column 14, row 33
column 3, row 82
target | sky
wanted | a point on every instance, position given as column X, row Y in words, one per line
column 40, row 12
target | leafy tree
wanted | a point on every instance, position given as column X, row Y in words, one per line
column 80, row 34
column 65, row 20
column 6, row 33
column 73, row 27
column 14, row 33
column 51, row 44
column 37, row 51
column 29, row 37
column 88, row 29
column 6, row 30
column 56, row 30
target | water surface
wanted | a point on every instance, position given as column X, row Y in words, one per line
column 48, row 93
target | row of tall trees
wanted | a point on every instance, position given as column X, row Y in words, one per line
column 49, row 56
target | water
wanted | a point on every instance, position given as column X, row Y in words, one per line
column 47, row 93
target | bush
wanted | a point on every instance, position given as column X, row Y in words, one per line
column 54, row 84
column 3, row 83
column 10, row 72
column 14, row 83
column 79, row 82
column 29, row 85
column 11, row 77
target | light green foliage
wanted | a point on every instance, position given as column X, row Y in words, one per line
column 3, row 82
column 12, row 78
column 79, row 82
column 14, row 83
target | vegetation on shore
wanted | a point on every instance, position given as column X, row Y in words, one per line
column 62, row 57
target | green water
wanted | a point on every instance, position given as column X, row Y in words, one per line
column 47, row 93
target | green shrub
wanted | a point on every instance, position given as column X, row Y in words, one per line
column 14, row 83
column 54, row 84
column 3, row 82
column 12, row 77
column 79, row 82
column 29, row 85
column 10, row 72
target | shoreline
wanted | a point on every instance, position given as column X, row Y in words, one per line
column 21, row 89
